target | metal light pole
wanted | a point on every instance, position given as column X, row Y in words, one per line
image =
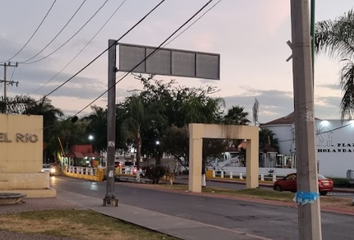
column 110, row 198
column 309, row 221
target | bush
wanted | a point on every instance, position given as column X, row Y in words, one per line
column 341, row 183
column 155, row 173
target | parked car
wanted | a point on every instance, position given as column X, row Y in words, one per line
column 288, row 183
column 48, row 168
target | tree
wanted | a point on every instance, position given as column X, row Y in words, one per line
column 69, row 133
column 176, row 143
column 131, row 126
column 336, row 37
column 236, row 116
column 97, row 126
column 267, row 139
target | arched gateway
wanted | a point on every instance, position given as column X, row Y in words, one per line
column 199, row 131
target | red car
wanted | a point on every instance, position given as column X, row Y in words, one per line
column 289, row 183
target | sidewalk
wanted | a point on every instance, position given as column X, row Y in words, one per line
column 170, row 225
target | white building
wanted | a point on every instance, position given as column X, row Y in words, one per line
column 334, row 143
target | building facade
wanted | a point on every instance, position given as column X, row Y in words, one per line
column 334, row 143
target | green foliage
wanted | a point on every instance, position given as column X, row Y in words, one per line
column 69, row 134
column 155, row 173
column 236, row 116
column 335, row 37
column 97, row 126
column 176, row 142
column 267, row 139
column 341, row 183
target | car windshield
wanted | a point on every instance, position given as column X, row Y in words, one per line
column 321, row 176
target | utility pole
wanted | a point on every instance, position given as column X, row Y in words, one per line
column 110, row 198
column 5, row 80
column 309, row 221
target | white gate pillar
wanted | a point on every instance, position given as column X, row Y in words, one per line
column 252, row 167
column 195, row 158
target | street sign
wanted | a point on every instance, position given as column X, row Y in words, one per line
column 171, row 62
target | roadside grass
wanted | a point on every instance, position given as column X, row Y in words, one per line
column 259, row 193
column 76, row 224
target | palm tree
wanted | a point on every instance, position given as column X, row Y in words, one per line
column 45, row 108
column 132, row 124
column 267, row 139
column 236, row 116
column 98, row 127
column 336, row 37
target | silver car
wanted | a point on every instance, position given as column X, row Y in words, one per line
column 48, row 168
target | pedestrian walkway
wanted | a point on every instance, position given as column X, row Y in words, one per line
column 170, row 225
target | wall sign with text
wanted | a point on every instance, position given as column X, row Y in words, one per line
column 18, row 138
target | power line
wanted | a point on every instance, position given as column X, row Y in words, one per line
column 92, row 61
column 12, row 74
column 156, row 49
column 38, row 60
column 77, row 10
column 193, row 23
column 115, row 11
column 33, row 33
column 318, row 133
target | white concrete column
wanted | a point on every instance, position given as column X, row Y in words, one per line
column 231, row 175
column 262, row 177
column 241, row 177
column 213, row 173
column 195, row 157
column 274, row 177
column 222, row 174
column 203, row 180
column 252, row 163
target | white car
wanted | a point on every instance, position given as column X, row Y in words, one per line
column 48, row 168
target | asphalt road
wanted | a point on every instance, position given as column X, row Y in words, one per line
column 271, row 221
column 242, row 186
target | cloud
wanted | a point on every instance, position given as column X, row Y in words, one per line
column 330, row 86
column 269, row 107
column 274, row 104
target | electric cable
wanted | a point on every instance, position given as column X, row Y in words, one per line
column 115, row 11
column 34, row 32
column 318, row 133
column 12, row 75
column 156, row 49
column 66, row 24
column 98, row 56
column 38, row 60
column 194, row 22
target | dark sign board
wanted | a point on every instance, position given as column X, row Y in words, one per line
column 170, row 62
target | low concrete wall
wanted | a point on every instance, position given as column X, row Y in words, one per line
column 31, row 181
column 35, row 193
column 97, row 178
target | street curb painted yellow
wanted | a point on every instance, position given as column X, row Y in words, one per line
column 97, row 178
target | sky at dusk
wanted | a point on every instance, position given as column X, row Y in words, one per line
column 249, row 35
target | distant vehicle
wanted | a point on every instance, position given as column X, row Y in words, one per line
column 48, row 168
column 289, row 183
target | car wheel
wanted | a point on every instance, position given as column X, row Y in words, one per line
column 323, row 193
column 278, row 188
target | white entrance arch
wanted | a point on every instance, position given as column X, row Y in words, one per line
column 199, row 131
